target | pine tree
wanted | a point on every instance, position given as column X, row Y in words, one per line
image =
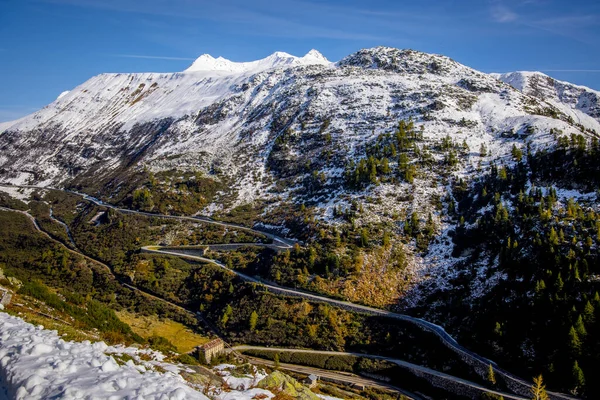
column 430, row 226
column 226, row 314
column 385, row 166
column 411, row 171
column 491, row 376
column 580, row 327
column 574, row 341
column 386, row 239
column 538, row 389
column 253, row 321
column 553, row 238
column 364, row 237
column 482, row 150
column 540, row 285
column 517, row 153
column 559, row 284
column 588, row 313
column 578, row 377
column 414, row 223
column 502, row 174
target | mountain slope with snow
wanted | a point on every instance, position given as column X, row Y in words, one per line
column 227, row 115
column 579, row 102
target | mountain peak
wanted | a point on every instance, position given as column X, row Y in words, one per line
column 315, row 54
column 206, row 62
column 405, row 61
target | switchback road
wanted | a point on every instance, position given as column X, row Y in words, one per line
column 480, row 363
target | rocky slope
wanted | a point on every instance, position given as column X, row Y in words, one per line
column 289, row 131
column 226, row 116
column 581, row 103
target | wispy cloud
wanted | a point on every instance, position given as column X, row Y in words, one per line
column 259, row 23
column 571, row 70
column 153, row 57
column 539, row 15
column 503, row 14
column 581, row 28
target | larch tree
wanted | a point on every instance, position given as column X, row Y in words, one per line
column 538, row 389
column 578, row 377
column 253, row 321
column 491, row 376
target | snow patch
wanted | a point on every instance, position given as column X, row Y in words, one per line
column 63, row 94
column 38, row 364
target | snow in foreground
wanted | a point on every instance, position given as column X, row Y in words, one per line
column 37, row 364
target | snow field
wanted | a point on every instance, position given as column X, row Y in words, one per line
column 38, row 364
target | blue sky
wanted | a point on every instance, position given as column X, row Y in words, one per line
column 48, row 46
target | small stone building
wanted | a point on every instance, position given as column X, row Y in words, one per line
column 312, row 380
column 207, row 351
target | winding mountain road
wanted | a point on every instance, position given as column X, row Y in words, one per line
column 335, row 376
column 400, row 363
column 517, row 385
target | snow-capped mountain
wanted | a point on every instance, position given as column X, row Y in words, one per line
column 278, row 59
column 579, row 102
column 226, row 116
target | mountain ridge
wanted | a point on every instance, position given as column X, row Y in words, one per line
column 223, row 116
column 206, row 62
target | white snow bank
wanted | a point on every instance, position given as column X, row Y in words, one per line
column 37, row 364
column 240, row 382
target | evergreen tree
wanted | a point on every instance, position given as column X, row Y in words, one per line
column 574, row 341
column 559, row 284
column 588, row 313
column 553, row 237
column 578, row 377
column 538, row 389
column 414, row 223
column 517, row 153
column 491, row 376
column 226, row 314
column 364, row 237
column 386, row 239
column 253, row 321
column 429, row 227
column 502, row 174
column 580, row 327
column 385, row 166
column 482, row 150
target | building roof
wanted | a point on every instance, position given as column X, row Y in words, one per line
column 212, row 344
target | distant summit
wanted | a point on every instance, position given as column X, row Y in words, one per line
column 206, row 62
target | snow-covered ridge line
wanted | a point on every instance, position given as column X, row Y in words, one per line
column 518, row 79
column 214, row 117
column 38, row 364
column 206, row 62
column 580, row 103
